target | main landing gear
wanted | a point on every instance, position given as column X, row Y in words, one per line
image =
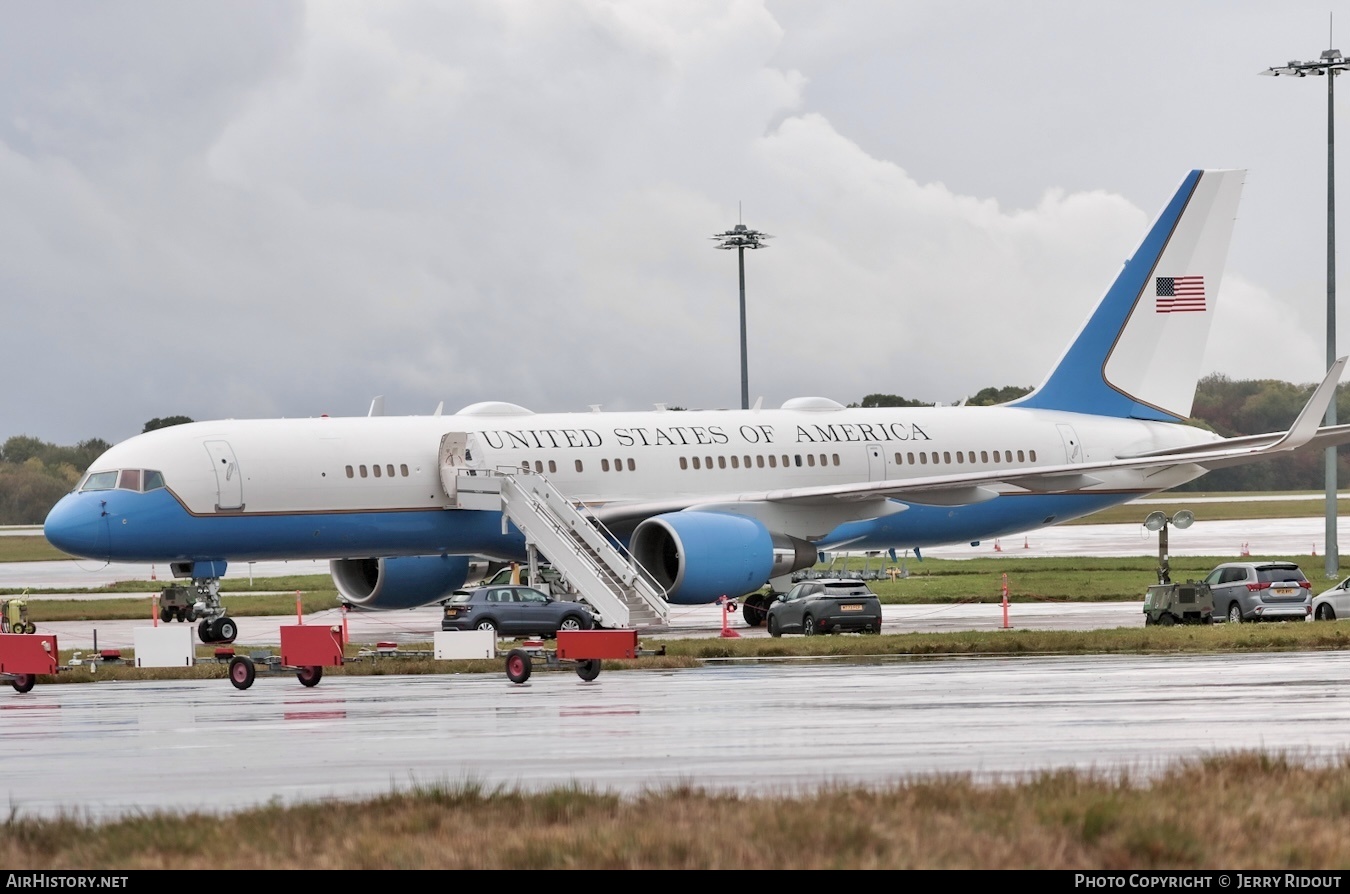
column 755, row 608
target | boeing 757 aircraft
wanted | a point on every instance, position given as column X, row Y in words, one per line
column 689, row 507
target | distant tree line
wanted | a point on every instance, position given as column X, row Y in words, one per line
column 1228, row 407
column 35, row 474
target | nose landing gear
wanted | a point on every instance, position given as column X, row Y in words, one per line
column 215, row 626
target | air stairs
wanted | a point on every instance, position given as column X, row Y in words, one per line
column 579, row 548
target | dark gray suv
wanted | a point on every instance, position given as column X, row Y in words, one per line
column 513, row 611
column 825, row 606
column 1260, row 591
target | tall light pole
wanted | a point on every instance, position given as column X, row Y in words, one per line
column 741, row 238
column 1328, row 66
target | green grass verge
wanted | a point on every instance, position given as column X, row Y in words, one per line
column 1238, row 811
column 932, row 581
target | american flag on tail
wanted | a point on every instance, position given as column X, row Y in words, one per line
column 1177, row 294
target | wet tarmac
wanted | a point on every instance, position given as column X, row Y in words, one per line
column 104, row 749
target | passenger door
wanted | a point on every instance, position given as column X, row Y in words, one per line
column 229, row 482
column 504, row 610
column 534, row 611
column 790, row 615
column 1229, row 586
column 1340, row 599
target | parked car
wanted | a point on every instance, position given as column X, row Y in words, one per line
column 825, row 606
column 514, row 611
column 1333, row 603
column 1260, row 591
column 548, row 578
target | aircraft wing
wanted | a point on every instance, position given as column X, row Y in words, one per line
column 966, row 488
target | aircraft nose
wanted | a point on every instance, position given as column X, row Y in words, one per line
column 77, row 525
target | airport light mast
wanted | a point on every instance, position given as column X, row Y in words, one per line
column 1158, row 521
column 1328, row 66
column 741, row 238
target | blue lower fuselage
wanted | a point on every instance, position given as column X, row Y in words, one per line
column 125, row 526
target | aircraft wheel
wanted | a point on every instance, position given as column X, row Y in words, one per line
column 242, row 672
column 589, row 669
column 310, row 675
column 226, row 630
column 24, row 682
column 518, row 665
column 206, row 632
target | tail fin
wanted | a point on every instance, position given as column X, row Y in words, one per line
column 1139, row 353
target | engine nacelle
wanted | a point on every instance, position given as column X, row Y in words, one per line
column 699, row 557
column 404, row 582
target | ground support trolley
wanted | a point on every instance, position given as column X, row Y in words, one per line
column 305, row 650
column 582, row 650
column 25, row 655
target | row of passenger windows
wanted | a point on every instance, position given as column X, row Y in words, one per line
column 922, row 459
column 377, row 470
column 703, row 462
column 759, row 462
column 605, row 466
column 772, row 461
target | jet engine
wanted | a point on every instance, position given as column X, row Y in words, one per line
column 403, row 582
column 699, row 557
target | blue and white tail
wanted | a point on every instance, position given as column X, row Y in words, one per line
column 1139, row 353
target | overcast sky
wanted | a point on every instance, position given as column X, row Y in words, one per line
column 275, row 208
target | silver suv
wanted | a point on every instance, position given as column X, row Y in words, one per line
column 1260, row 591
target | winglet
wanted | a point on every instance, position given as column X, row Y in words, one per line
column 377, row 406
column 1305, row 426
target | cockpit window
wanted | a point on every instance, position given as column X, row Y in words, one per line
column 100, row 481
column 125, row 479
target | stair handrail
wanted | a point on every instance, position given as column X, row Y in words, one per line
column 608, row 535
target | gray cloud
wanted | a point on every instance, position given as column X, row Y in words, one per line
column 285, row 209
